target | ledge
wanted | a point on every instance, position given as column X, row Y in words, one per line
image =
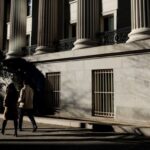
column 137, row 47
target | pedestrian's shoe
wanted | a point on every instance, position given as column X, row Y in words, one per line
column 2, row 131
column 34, row 129
column 15, row 134
column 20, row 129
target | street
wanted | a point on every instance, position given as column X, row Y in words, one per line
column 50, row 136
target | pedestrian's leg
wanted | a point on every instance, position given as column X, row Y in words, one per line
column 31, row 117
column 15, row 127
column 21, row 114
column 3, row 126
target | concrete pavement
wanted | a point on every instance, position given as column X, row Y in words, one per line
column 55, row 135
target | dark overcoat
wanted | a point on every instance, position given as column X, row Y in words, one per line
column 10, row 105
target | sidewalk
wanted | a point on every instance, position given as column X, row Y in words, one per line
column 55, row 133
column 103, row 126
column 52, row 136
column 58, row 121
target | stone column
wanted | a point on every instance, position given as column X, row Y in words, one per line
column 18, row 14
column 88, row 23
column 1, row 23
column 140, row 20
column 47, row 26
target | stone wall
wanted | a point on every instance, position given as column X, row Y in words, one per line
column 130, row 63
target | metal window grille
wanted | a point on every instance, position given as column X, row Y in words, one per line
column 53, row 90
column 103, row 93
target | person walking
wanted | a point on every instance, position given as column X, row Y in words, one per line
column 10, row 107
column 26, row 105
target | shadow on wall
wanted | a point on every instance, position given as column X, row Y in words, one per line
column 74, row 103
column 66, row 101
column 22, row 69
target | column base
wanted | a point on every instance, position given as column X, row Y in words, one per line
column 84, row 43
column 43, row 49
column 10, row 55
column 139, row 34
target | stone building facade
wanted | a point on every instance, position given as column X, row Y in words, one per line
column 93, row 55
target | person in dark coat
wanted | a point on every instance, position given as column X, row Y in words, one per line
column 10, row 107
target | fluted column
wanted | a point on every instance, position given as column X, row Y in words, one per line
column 1, row 23
column 88, row 24
column 17, row 40
column 47, row 26
column 140, row 20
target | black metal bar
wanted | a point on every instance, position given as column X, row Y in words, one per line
column 114, row 37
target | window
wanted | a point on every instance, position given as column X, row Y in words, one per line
column 103, row 93
column 7, row 44
column 29, row 7
column 74, row 30
column 28, row 40
column 53, row 90
column 108, row 23
column 107, row 37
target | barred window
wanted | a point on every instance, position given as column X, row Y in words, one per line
column 53, row 90
column 103, row 93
